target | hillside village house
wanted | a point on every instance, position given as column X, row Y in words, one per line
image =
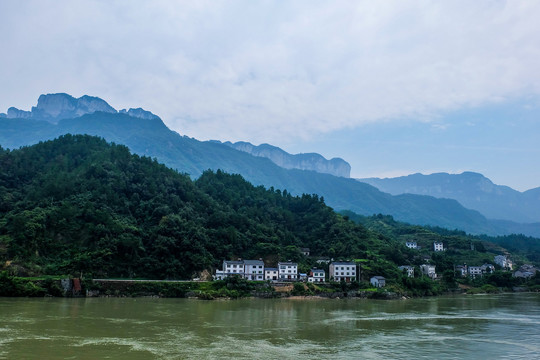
column 235, row 267
column 288, row 271
column 461, row 269
column 503, row 262
column 526, row 271
column 409, row 269
column 305, row 251
column 271, row 274
column 428, row 270
column 316, row 276
column 254, row 270
column 475, row 271
column 378, row 281
column 411, row 244
column 343, row 271
column 438, row 246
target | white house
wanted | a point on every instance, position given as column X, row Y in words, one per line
column 378, row 281
column 462, row 270
column 438, row 246
column 428, row 270
column 503, row 262
column 254, row 270
column 305, row 251
column 475, row 271
column 316, row 276
column 288, row 271
column 271, row 274
column 409, row 269
column 343, row 271
column 487, row 268
column 231, row 268
column 411, row 244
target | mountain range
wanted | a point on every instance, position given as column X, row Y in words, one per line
column 472, row 190
column 146, row 134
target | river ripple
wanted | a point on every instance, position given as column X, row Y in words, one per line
column 470, row 327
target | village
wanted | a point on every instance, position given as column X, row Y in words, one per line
column 349, row 271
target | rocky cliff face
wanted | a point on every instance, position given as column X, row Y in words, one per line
column 139, row 113
column 310, row 161
column 55, row 107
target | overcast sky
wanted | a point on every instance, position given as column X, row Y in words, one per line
column 392, row 87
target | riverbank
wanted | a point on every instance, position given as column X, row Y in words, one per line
column 224, row 289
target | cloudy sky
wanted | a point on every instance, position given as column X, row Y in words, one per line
column 393, row 87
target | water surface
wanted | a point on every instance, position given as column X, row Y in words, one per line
column 472, row 327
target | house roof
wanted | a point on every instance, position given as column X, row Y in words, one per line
column 234, row 262
column 378, row 277
column 270, row 269
column 317, row 270
column 343, row 263
column 287, row 263
column 253, row 262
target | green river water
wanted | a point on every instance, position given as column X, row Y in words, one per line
column 468, row 327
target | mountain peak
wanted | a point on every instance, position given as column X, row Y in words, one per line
column 55, row 107
column 308, row 161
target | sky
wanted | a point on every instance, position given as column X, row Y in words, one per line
column 392, row 87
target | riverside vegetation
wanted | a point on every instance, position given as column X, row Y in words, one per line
column 80, row 207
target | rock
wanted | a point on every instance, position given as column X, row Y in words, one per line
column 310, row 161
column 139, row 113
column 14, row 113
column 55, row 107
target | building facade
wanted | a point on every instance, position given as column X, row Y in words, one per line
column 428, row 270
column 343, row 271
column 438, row 246
column 316, row 276
column 254, row 270
column 411, row 244
column 378, row 281
column 271, row 274
column 409, row 269
column 288, row 271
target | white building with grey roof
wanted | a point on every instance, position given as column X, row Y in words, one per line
column 342, row 271
column 288, row 271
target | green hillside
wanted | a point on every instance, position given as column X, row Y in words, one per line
column 152, row 138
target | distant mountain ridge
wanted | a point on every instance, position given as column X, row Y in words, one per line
column 151, row 137
column 307, row 161
column 55, row 107
column 470, row 189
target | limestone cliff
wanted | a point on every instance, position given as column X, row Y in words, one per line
column 309, row 161
column 55, row 107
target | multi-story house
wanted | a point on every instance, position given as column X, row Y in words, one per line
column 475, row 271
column 503, row 262
column 409, row 269
column 462, row 270
column 254, row 270
column 343, row 271
column 411, row 244
column 428, row 270
column 378, row 281
column 288, row 271
column 271, row 274
column 438, row 246
column 316, row 276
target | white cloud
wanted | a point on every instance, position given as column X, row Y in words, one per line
column 271, row 71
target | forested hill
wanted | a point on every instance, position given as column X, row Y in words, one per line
column 150, row 137
column 78, row 204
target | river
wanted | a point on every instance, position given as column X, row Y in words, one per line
column 469, row 327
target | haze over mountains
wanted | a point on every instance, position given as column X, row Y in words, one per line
column 145, row 134
column 309, row 161
column 472, row 190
